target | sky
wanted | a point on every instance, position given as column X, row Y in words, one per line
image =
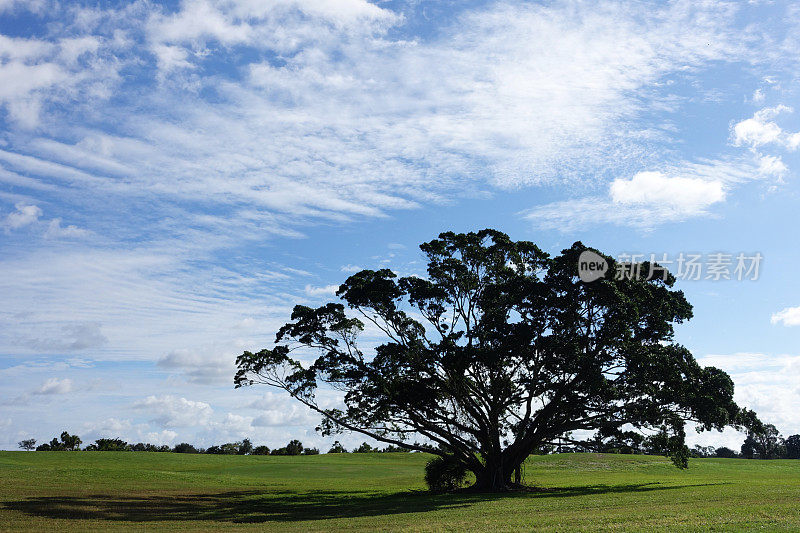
column 174, row 177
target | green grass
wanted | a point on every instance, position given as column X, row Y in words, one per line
column 117, row 490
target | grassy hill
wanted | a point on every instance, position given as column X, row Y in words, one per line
column 119, row 490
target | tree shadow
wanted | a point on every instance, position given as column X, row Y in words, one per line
column 285, row 506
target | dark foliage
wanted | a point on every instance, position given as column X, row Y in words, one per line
column 445, row 474
column 184, row 447
column 27, row 444
column 725, row 452
column 142, row 447
column 337, row 448
column 365, row 448
column 109, row 445
column 245, row 447
column 66, row 443
column 260, row 450
column 793, row 447
column 763, row 442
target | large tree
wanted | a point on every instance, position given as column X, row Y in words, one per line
column 499, row 351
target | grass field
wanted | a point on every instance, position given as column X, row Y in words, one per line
column 127, row 490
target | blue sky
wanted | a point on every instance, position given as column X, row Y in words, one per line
column 175, row 177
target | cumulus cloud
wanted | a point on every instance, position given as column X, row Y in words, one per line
column 56, row 231
column 110, row 427
column 761, row 130
column 127, row 430
column 25, row 215
column 771, row 165
column 649, row 198
column 655, row 189
column 789, row 316
column 170, row 411
column 55, row 386
column 29, row 215
column 292, row 416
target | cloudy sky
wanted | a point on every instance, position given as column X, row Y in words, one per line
column 174, row 177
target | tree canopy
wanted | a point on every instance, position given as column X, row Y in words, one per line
column 500, row 350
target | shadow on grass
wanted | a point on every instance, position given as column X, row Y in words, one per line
column 285, row 506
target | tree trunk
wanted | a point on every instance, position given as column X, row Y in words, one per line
column 496, row 476
column 493, row 477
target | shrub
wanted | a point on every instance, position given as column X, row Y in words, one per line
column 295, row 447
column 725, row 452
column 184, row 447
column 365, row 448
column 337, row 448
column 444, row 474
column 109, row 445
column 261, row 450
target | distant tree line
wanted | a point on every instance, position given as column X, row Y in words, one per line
column 68, row 442
column 766, row 443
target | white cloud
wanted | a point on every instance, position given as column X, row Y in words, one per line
column 656, row 189
column 283, row 25
column 771, row 165
column 311, row 136
column 34, row 6
column 755, row 132
column 16, row 48
column 165, row 436
column 649, row 198
column 127, row 430
column 37, row 73
column 292, row 415
column 109, row 428
column 55, row 386
column 762, row 130
column 171, row 57
column 318, row 292
column 789, row 316
column 170, row 411
column 351, row 269
column 234, row 424
column 56, row 231
column 25, row 215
